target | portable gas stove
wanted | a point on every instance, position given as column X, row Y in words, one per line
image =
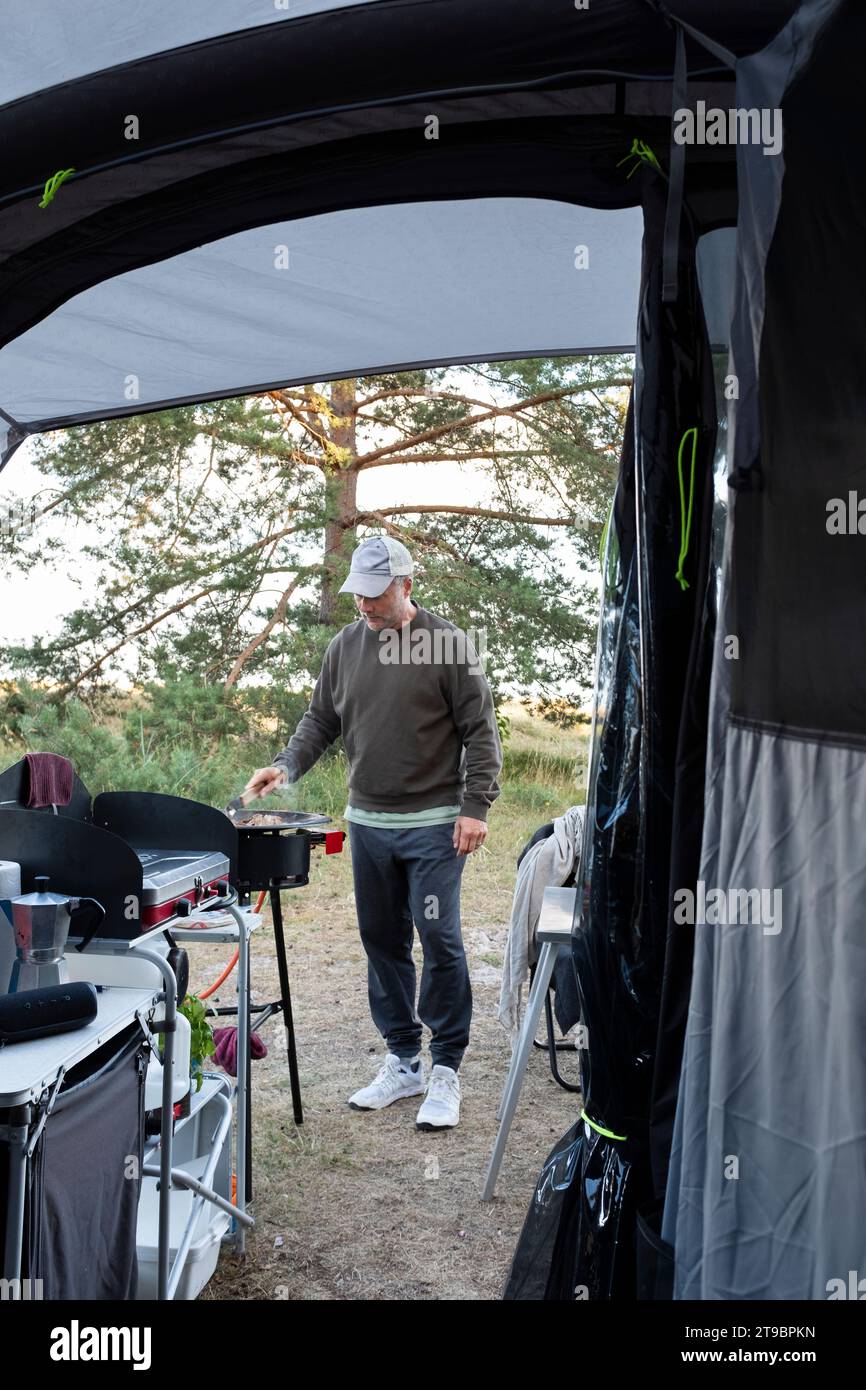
column 126, row 849
column 269, row 852
column 176, row 881
column 274, row 854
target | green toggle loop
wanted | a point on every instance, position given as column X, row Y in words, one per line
column 53, row 184
column 686, row 511
column 642, row 153
column 602, row 547
column 608, row 1133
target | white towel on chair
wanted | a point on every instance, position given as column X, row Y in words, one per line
column 547, row 864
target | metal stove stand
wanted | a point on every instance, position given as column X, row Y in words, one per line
column 261, row 1013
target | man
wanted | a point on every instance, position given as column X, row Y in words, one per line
column 406, row 691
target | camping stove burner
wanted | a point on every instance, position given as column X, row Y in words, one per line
column 274, row 847
column 177, row 880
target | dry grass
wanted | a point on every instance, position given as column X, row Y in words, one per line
column 364, row 1206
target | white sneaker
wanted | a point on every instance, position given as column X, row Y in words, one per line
column 392, row 1081
column 441, row 1107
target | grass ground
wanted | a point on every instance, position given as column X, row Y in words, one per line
column 364, row 1206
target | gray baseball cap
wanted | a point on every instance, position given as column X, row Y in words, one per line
column 375, row 563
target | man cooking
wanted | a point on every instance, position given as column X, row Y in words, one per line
column 406, row 690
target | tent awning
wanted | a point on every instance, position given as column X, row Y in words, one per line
column 429, row 168
column 331, row 296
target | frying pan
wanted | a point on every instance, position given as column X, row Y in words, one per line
column 240, row 814
column 278, row 819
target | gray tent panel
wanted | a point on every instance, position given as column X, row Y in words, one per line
column 70, row 38
column 716, row 256
column 767, row 1163
column 340, row 294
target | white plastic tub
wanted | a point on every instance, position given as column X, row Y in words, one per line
column 191, row 1151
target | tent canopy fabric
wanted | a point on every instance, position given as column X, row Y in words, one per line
column 197, row 134
column 302, row 301
column 68, row 40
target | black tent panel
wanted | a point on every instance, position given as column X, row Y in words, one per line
column 802, row 638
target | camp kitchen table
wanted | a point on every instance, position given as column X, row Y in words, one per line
column 126, row 849
column 154, row 860
column 32, row 1072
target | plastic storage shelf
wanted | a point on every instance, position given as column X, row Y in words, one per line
column 192, row 1150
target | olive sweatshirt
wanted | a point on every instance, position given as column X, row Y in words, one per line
column 416, row 714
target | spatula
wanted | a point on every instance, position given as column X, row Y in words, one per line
column 239, row 803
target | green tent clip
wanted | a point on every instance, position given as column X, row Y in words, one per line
column 602, row 545
column 53, row 184
column 686, row 511
column 607, row 1133
column 642, row 154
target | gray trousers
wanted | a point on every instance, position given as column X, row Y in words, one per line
column 403, row 876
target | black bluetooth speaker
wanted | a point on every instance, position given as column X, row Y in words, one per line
column 37, row 1013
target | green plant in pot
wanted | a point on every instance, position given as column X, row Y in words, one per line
column 201, row 1043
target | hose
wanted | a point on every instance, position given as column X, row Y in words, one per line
column 206, row 993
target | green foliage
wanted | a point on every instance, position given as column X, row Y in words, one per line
column 275, row 706
column 201, row 1043
column 540, row 772
column 16, row 702
column 161, row 744
column 181, row 708
column 218, row 535
column 557, row 710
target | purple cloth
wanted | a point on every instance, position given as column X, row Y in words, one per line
column 226, row 1054
column 50, row 779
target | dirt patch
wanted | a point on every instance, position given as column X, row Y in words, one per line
column 364, row 1206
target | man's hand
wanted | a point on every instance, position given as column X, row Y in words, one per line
column 266, row 780
column 469, row 834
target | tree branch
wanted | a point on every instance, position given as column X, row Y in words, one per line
column 276, row 617
column 483, row 512
column 469, row 421
column 406, row 533
column 136, row 632
column 175, row 582
column 297, row 413
column 425, row 393
column 463, row 458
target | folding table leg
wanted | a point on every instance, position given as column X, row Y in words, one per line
column 286, row 1000
column 18, row 1136
column 534, row 1006
column 244, row 1135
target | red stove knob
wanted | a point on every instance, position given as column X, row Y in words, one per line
column 334, row 841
